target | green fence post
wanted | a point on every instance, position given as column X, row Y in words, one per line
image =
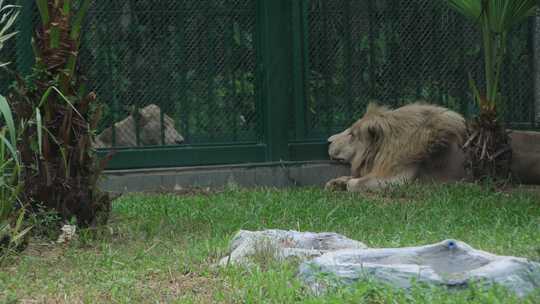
column 25, row 26
column 536, row 66
column 275, row 51
column 300, row 54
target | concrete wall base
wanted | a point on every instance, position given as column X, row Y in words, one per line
column 279, row 175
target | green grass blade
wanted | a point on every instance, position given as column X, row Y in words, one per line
column 469, row 9
column 476, row 93
column 20, row 219
column 67, row 8
column 55, row 37
column 45, row 97
column 8, row 117
column 66, row 100
column 8, row 24
column 43, row 11
column 39, row 125
column 77, row 24
column 10, row 147
column 61, row 149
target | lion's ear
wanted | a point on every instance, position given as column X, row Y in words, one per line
column 372, row 130
column 376, row 109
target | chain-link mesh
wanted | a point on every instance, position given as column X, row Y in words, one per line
column 396, row 52
column 194, row 60
column 186, row 71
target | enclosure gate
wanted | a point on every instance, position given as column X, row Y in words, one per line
column 249, row 81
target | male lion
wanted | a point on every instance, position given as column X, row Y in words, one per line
column 149, row 128
column 385, row 146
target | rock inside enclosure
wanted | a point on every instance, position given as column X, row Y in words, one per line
column 248, row 246
column 449, row 263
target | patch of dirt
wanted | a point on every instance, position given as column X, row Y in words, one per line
column 191, row 191
column 61, row 299
column 180, row 191
column 48, row 251
column 175, row 286
column 529, row 189
column 152, row 288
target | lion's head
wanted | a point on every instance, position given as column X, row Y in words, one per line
column 357, row 143
column 341, row 148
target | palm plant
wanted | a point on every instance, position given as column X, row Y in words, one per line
column 12, row 232
column 60, row 168
column 11, row 224
column 488, row 148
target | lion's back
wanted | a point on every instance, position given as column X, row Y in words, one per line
column 419, row 130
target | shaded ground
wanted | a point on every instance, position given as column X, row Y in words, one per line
column 161, row 247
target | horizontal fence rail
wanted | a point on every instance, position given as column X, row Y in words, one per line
column 203, row 82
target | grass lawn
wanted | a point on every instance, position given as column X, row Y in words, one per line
column 161, row 248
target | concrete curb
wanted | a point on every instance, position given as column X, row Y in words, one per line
column 279, row 175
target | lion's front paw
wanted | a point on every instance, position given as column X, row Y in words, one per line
column 337, row 184
column 354, row 185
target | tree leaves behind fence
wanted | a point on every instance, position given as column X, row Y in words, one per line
column 195, row 59
column 396, row 52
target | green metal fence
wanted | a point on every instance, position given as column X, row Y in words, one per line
column 396, row 52
column 238, row 81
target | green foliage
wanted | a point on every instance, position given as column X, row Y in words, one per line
column 9, row 162
column 497, row 16
column 9, row 14
column 396, row 52
column 495, row 19
column 12, row 227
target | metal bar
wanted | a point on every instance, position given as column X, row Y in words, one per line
column 507, row 89
column 348, row 60
column 25, row 25
column 275, row 45
column 536, row 66
column 164, row 87
column 326, row 72
column 162, row 125
column 420, row 49
column 371, row 38
column 162, row 157
column 436, row 17
column 298, row 69
column 259, row 72
column 459, row 30
column 397, row 63
column 183, row 87
column 307, row 64
column 232, row 100
column 133, row 40
column 210, row 63
column 244, row 92
column 114, row 96
column 198, row 114
column 317, row 13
